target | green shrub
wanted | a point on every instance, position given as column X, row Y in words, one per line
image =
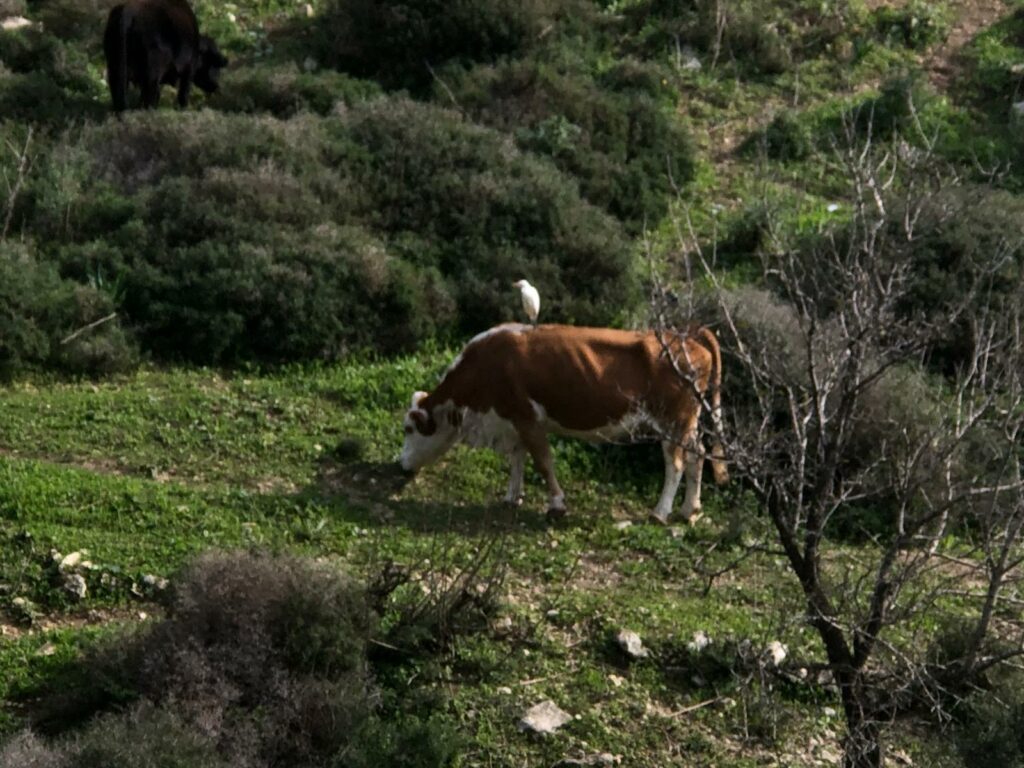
column 916, row 25
column 965, row 236
column 761, row 38
column 285, row 91
column 990, row 730
column 491, row 215
column 396, row 41
column 616, row 134
column 787, row 137
column 39, row 309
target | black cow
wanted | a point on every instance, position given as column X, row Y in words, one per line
column 157, row 42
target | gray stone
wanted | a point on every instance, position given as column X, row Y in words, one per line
column 75, row 584
column 630, row 642
column 545, row 717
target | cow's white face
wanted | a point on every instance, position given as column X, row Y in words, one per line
column 427, row 435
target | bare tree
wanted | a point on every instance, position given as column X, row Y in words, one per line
column 829, row 350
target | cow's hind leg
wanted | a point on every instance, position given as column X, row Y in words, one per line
column 694, row 460
column 536, row 441
column 517, row 466
column 673, row 454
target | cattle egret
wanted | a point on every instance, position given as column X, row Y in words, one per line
column 530, row 297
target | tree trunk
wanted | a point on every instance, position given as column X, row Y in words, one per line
column 862, row 747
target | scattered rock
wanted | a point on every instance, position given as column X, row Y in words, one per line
column 699, row 642
column 545, row 717
column 552, row 614
column 309, row 11
column 630, row 642
column 622, row 525
column 310, row 65
column 505, row 690
column 14, row 22
column 616, row 680
column 688, row 59
column 156, row 582
column 502, row 625
column 69, row 561
column 828, row 712
column 47, row 650
column 75, row 584
column 589, row 761
column 776, row 652
column 1017, row 111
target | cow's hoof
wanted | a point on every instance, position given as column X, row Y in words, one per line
column 508, row 501
column 694, row 518
column 556, row 513
column 654, row 517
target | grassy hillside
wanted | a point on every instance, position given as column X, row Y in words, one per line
column 283, row 263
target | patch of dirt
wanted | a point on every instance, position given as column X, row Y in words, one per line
column 361, row 479
column 944, row 62
column 91, row 618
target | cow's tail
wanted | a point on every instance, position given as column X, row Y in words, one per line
column 116, row 48
column 718, row 465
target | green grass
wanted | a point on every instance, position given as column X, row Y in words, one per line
column 141, row 472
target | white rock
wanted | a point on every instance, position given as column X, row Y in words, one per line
column 75, row 584
column 545, row 717
column 14, row 22
column 309, row 11
column 630, row 642
column 155, row 581
column 776, row 652
column 832, row 207
column 688, row 59
column 828, row 712
column 1017, row 110
column 622, row 525
column 699, row 642
column 70, row 561
column 310, row 65
column 505, row 690
column 616, row 680
column 47, row 650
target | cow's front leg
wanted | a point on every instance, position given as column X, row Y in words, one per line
column 517, row 466
column 184, row 88
column 536, row 441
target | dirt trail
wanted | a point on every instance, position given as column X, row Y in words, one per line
column 943, row 62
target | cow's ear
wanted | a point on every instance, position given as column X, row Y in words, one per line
column 416, row 397
column 424, row 422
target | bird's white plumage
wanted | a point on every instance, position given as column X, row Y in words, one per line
column 530, row 298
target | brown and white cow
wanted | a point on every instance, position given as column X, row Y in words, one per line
column 514, row 384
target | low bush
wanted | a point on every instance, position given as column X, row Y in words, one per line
column 41, row 309
column 759, row 38
column 990, row 730
column 224, row 238
column 615, row 133
column 284, row 91
column 399, row 41
column 916, row 25
column 261, row 661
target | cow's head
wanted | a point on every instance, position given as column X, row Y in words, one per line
column 211, row 62
column 428, row 433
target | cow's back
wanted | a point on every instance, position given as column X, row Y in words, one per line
column 581, row 378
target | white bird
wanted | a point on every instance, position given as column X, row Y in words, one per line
column 530, row 297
